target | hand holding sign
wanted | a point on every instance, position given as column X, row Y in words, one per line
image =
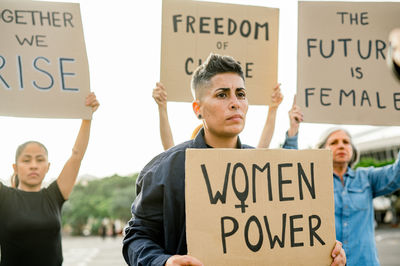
column 178, row 260
column 277, row 97
column 296, row 117
column 338, row 255
column 92, row 102
column 269, row 127
column 160, row 95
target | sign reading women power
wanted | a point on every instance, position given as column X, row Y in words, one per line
column 259, row 207
column 43, row 63
column 191, row 30
column 342, row 74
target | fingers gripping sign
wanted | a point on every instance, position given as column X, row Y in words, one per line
column 296, row 117
column 185, row 260
column 160, row 95
column 277, row 96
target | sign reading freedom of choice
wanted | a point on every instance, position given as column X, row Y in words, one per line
column 342, row 74
column 191, row 30
column 43, row 63
column 260, row 207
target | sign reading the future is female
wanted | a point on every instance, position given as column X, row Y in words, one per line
column 191, row 30
column 342, row 74
column 43, row 62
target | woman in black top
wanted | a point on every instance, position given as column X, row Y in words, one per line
column 30, row 216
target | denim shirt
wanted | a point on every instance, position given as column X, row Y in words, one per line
column 354, row 211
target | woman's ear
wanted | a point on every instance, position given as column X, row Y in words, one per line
column 196, row 108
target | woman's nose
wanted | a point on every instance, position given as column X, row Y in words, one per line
column 234, row 103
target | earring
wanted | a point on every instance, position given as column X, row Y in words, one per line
column 199, row 116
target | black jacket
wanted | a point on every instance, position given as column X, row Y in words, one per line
column 157, row 229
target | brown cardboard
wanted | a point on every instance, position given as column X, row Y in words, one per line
column 376, row 92
column 259, row 57
column 204, row 220
column 43, row 62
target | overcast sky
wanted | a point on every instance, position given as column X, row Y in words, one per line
column 123, row 42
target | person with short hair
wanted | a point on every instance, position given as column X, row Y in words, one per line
column 30, row 216
column 160, row 96
column 156, row 234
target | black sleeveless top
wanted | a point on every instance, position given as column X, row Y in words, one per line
column 30, row 226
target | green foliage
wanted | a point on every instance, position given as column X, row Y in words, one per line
column 109, row 197
column 366, row 162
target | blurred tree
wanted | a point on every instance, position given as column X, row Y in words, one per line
column 94, row 200
column 366, row 162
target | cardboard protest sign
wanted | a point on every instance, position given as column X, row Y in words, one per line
column 342, row 73
column 259, row 207
column 43, row 62
column 191, row 30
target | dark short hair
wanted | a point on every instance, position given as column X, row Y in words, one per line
column 215, row 64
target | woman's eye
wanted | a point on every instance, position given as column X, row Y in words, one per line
column 241, row 95
column 333, row 143
column 221, row 95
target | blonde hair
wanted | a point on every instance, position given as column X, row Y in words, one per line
column 196, row 130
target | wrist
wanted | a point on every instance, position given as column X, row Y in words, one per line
column 293, row 131
column 162, row 107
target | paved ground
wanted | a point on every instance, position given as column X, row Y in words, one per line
column 93, row 251
column 388, row 244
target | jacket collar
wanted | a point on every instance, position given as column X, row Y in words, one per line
column 349, row 173
column 201, row 143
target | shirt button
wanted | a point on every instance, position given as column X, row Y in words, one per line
column 345, row 206
column 345, row 224
column 345, row 242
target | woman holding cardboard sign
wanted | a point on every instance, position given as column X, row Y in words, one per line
column 160, row 96
column 156, row 235
column 30, row 223
column 354, row 191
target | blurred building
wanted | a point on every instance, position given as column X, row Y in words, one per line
column 379, row 143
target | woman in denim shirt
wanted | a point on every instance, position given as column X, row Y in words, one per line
column 354, row 191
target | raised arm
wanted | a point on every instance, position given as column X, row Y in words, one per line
column 69, row 173
column 295, row 117
column 384, row 180
column 160, row 96
column 269, row 127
